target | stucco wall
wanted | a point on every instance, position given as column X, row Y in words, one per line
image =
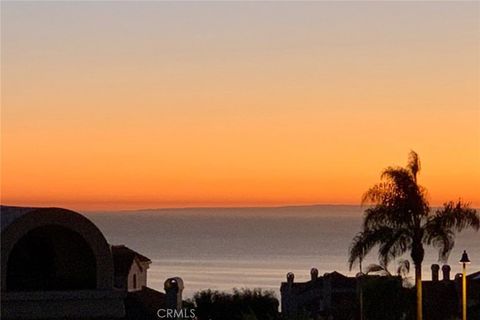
column 141, row 275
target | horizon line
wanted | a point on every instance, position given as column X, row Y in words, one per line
column 234, row 207
column 199, row 207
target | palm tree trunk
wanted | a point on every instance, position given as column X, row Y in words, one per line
column 418, row 284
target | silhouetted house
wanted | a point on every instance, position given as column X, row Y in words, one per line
column 145, row 303
column 130, row 268
column 56, row 264
column 443, row 298
column 337, row 297
column 329, row 295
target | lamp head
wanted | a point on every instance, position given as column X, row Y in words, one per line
column 465, row 259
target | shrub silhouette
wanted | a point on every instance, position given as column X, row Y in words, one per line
column 241, row 304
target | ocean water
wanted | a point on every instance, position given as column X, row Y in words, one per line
column 230, row 248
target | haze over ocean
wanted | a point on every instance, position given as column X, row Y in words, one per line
column 223, row 248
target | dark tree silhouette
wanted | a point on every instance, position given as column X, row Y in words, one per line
column 242, row 304
column 401, row 221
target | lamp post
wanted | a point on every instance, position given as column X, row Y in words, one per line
column 464, row 261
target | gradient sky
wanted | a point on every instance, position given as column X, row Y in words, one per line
column 116, row 105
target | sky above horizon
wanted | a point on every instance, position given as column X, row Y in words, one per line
column 124, row 105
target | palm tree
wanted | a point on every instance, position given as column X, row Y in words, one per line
column 400, row 221
column 403, row 268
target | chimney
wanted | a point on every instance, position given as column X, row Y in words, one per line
column 446, row 272
column 173, row 293
column 290, row 278
column 314, row 274
column 435, row 269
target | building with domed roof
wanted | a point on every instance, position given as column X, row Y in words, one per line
column 56, row 264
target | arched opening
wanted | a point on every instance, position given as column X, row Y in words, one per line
column 51, row 258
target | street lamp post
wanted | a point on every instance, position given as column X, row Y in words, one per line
column 464, row 261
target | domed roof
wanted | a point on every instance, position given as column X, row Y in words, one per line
column 17, row 222
column 9, row 214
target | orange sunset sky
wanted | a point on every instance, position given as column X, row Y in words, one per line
column 121, row 105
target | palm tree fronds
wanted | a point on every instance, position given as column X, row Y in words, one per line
column 414, row 165
column 440, row 237
column 403, row 268
column 371, row 268
column 398, row 242
column 440, row 229
column 457, row 215
column 364, row 241
column 357, row 250
column 400, row 177
column 394, row 214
